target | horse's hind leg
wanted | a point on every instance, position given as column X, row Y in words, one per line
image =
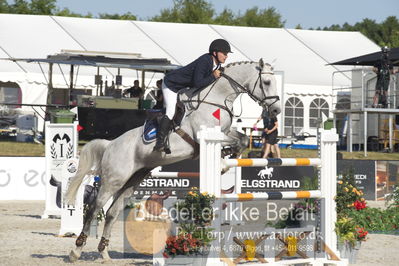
column 110, row 219
column 100, row 201
column 115, row 209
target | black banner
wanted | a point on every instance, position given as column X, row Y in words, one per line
column 364, row 172
column 177, row 186
column 278, row 178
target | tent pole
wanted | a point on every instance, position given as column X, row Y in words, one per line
column 70, row 85
column 50, row 84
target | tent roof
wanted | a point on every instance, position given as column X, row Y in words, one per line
column 370, row 59
column 302, row 55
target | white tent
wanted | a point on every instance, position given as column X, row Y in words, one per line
column 300, row 57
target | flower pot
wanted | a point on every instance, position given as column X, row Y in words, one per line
column 353, row 251
column 349, row 251
column 197, row 260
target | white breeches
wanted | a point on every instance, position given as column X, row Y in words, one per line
column 170, row 100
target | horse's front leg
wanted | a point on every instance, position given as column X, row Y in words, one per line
column 237, row 142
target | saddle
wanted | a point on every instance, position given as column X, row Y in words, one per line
column 153, row 118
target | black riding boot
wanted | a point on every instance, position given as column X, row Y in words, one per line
column 163, row 131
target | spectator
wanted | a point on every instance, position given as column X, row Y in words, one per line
column 265, row 117
column 134, row 92
column 271, row 137
column 159, row 96
column 383, row 68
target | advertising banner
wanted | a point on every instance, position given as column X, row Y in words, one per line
column 71, row 215
column 61, row 145
column 364, row 173
column 22, row 178
column 177, row 186
column 278, row 178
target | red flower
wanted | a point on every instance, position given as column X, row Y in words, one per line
column 359, row 205
column 165, row 255
column 361, row 233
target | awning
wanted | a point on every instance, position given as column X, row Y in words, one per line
column 370, row 59
column 145, row 64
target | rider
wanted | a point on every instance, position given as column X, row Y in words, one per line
column 198, row 74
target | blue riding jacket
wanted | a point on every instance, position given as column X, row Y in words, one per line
column 197, row 74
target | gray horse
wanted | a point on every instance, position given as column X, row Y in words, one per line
column 124, row 162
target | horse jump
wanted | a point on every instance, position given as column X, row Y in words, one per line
column 210, row 180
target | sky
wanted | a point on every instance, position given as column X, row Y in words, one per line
column 307, row 13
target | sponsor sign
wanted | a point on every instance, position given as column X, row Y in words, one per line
column 71, row 215
column 177, row 186
column 61, row 145
column 22, row 178
column 364, row 172
column 277, row 178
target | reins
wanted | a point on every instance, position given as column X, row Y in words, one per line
column 261, row 102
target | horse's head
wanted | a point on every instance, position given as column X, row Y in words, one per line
column 265, row 89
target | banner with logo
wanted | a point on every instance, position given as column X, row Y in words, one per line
column 71, row 215
column 177, row 186
column 364, row 172
column 61, row 145
column 278, row 178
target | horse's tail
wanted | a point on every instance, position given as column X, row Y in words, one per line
column 89, row 161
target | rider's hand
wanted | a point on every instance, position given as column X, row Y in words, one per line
column 216, row 73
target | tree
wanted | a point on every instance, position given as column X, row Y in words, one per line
column 20, row 7
column 126, row 16
column 370, row 29
column 255, row 17
column 390, row 32
column 385, row 33
column 65, row 12
column 42, row 7
column 187, row 11
column 4, row 7
column 227, row 17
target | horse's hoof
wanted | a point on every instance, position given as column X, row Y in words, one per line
column 73, row 256
column 105, row 256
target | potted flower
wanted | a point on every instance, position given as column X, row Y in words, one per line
column 191, row 245
column 350, row 237
column 348, row 196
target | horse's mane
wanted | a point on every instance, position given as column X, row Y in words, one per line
column 239, row 63
column 245, row 62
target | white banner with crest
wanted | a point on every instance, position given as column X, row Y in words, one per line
column 61, row 145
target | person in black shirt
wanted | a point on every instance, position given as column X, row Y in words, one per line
column 383, row 69
column 159, row 96
column 271, row 137
column 265, row 117
column 134, row 92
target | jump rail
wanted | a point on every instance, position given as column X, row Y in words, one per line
column 273, row 162
column 175, row 174
column 211, row 165
column 274, row 195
